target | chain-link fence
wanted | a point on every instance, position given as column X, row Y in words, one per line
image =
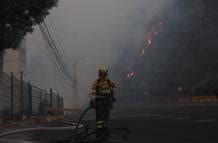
column 18, row 97
column 5, row 95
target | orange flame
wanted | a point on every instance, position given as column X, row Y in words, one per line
column 130, row 74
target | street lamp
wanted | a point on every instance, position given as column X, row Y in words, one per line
column 75, row 90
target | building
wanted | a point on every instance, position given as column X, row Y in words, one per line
column 15, row 60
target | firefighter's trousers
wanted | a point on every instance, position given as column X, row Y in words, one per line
column 103, row 107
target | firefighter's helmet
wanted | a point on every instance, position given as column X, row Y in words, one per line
column 103, row 70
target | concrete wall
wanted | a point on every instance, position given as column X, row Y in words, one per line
column 15, row 60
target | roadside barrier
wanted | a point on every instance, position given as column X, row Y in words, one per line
column 204, row 99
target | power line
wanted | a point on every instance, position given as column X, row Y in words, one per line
column 48, row 44
column 56, row 37
column 52, row 46
column 59, row 58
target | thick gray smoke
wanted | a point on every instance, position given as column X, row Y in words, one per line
column 86, row 28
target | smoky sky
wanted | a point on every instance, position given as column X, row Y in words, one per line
column 92, row 29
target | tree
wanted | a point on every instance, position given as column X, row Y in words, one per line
column 18, row 18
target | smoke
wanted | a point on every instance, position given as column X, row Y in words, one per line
column 94, row 29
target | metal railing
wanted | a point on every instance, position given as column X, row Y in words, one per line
column 18, row 97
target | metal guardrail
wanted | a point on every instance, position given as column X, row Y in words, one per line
column 18, row 97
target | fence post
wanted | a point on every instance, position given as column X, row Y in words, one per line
column 12, row 93
column 58, row 98
column 62, row 102
column 46, row 98
column 21, row 91
column 51, row 100
column 30, row 97
column 40, row 98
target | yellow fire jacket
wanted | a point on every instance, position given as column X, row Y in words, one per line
column 103, row 87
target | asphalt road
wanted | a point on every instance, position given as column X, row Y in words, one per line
column 181, row 124
column 175, row 124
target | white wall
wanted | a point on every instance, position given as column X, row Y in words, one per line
column 15, row 60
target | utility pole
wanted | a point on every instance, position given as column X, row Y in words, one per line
column 75, row 83
column 75, row 87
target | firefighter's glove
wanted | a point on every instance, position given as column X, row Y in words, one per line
column 113, row 99
column 93, row 104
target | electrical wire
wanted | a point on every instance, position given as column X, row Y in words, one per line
column 56, row 39
column 56, row 50
column 57, row 62
column 49, row 45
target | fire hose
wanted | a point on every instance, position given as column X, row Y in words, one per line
column 74, row 137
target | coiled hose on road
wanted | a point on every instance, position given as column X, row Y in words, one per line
column 76, row 139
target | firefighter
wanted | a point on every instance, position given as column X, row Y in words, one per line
column 103, row 90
